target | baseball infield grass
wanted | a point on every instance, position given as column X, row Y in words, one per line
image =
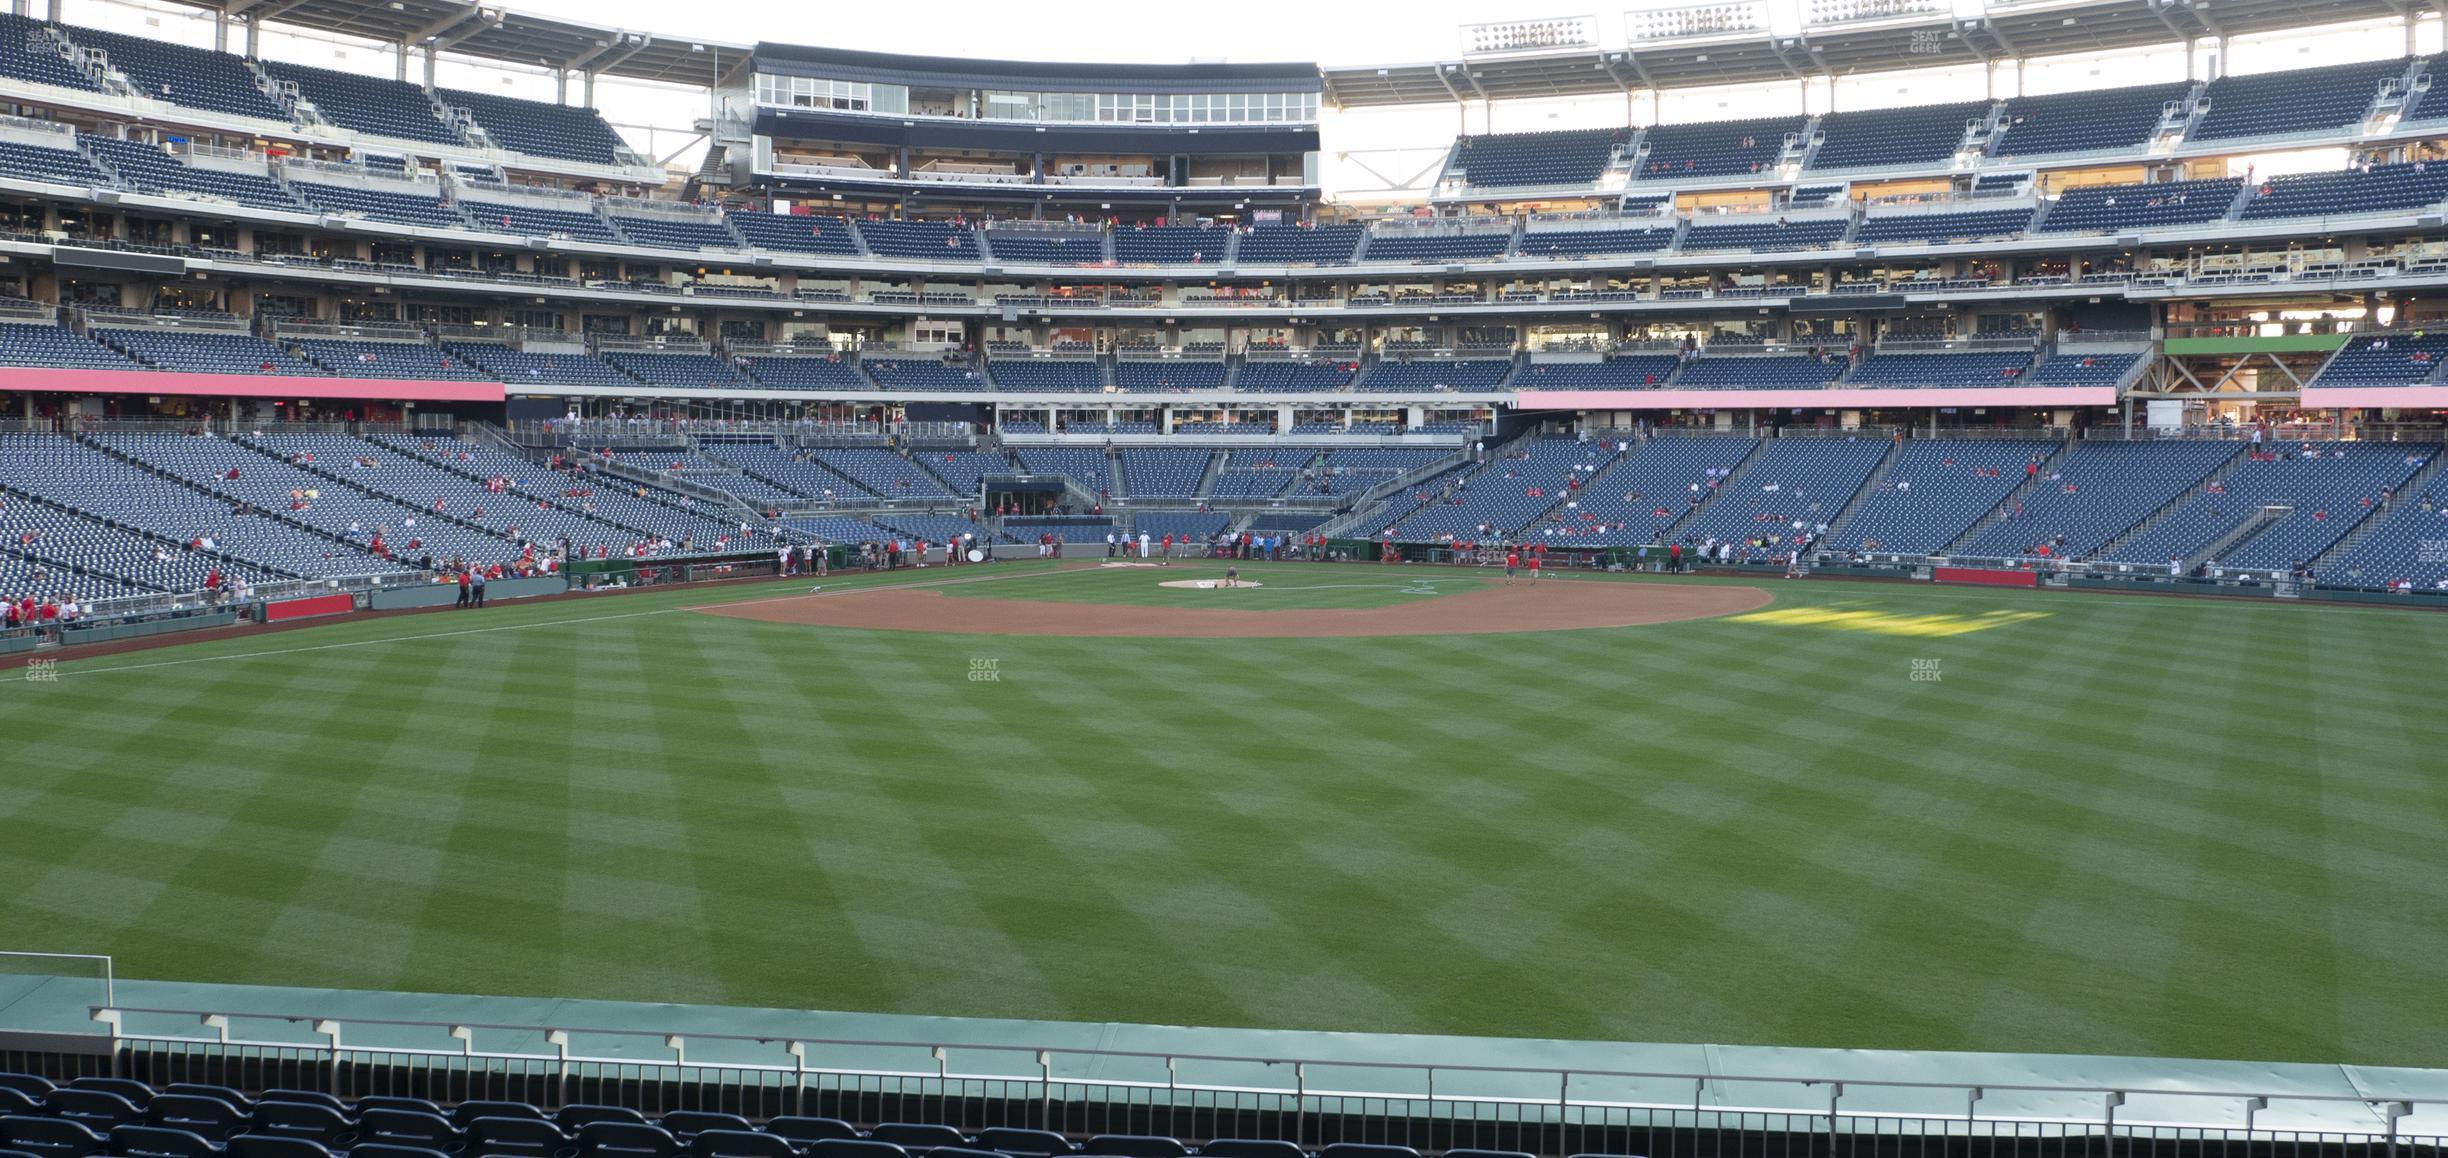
column 1867, row 816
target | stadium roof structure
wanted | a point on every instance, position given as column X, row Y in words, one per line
column 960, row 72
column 492, row 32
column 1935, row 37
column 1928, row 34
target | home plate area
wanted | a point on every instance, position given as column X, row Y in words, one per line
column 1211, row 584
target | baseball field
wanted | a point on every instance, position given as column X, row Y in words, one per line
column 1404, row 799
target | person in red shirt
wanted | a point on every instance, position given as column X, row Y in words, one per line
column 1512, row 561
column 1535, row 554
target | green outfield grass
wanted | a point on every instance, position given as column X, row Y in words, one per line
column 1874, row 816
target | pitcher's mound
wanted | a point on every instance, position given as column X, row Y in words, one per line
column 1208, row 584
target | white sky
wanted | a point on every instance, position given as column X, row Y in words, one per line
column 1365, row 151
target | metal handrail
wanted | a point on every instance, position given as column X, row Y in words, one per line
column 2388, row 1108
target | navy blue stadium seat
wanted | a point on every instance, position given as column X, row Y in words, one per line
column 27, row 1083
column 49, row 1137
column 28, row 53
column 367, row 104
column 687, row 1124
column 2297, row 101
column 1135, row 1146
column 538, row 128
column 1250, row 1148
column 799, row 1129
column 99, row 1109
column 853, row 1148
column 575, row 1116
column 1366, row 1150
column 2099, row 208
column 195, row 1113
column 222, row 1094
column 195, row 78
column 515, row 1137
column 1485, row 1154
column 609, row 1139
column 269, row 1146
column 302, row 1120
column 416, row 1128
column 386, row 1150
column 1714, row 148
column 18, row 1102
column 918, row 1135
column 465, row 1114
column 307, row 1097
column 1881, row 138
column 134, row 1141
column 740, row 1144
column 1560, row 157
column 392, row 1102
column 137, row 1093
column 2076, row 122
column 1299, row 245
column 1015, row 1140
column 795, row 232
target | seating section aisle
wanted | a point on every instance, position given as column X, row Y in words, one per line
column 516, row 366
column 367, row 104
column 28, row 53
column 202, row 351
column 1436, row 375
column 2093, row 495
column 1715, row 148
column 1922, row 135
column 2310, row 494
column 2077, row 122
column 795, row 232
column 1571, row 158
column 2303, row 100
column 1763, row 372
column 191, row 525
column 1299, row 245
column 1168, row 377
column 2386, row 359
column 1791, row 481
column 1636, row 372
column 1505, row 495
column 31, row 344
column 195, row 78
column 2101, row 208
column 1163, row 472
column 540, row 129
column 1643, row 493
column 1935, row 491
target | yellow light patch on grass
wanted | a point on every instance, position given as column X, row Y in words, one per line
column 1886, row 623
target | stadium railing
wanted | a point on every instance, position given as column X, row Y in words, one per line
column 1082, row 1090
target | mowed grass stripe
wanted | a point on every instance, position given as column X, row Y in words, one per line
column 2133, row 825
